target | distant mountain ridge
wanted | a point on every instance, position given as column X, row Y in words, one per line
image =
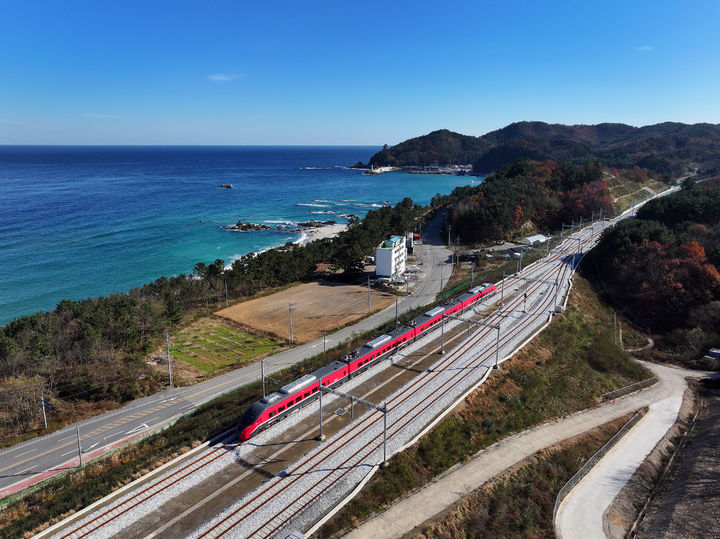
column 668, row 148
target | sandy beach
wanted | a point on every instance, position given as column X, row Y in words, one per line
column 319, row 233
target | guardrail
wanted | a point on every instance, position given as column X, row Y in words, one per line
column 628, row 389
column 582, row 472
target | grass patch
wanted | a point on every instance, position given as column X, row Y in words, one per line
column 565, row 369
column 211, row 345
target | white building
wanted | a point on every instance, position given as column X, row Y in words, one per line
column 532, row 240
column 390, row 257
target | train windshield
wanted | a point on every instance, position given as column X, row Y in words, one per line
column 252, row 414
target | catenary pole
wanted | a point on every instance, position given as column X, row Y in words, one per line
column 442, row 333
column 321, row 436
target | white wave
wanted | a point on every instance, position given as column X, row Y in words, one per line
column 311, row 205
column 304, row 237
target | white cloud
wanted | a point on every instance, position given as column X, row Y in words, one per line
column 222, row 77
column 645, row 48
column 94, row 115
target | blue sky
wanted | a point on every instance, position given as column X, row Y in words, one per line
column 337, row 72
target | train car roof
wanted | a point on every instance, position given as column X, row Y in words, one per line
column 322, row 372
column 378, row 341
column 298, row 384
column 272, row 398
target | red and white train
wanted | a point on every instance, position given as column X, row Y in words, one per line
column 289, row 398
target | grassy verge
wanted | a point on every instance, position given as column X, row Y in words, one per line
column 521, row 502
column 565, row 369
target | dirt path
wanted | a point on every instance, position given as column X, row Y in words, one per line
column 415, row 509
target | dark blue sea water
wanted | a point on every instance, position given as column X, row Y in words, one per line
column 79, row 222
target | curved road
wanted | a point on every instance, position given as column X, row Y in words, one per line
column 580, row 514
column 35, row 460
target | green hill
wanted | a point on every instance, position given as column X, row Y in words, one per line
column 669, row 149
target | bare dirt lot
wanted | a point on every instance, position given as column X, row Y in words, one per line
column 315, row 307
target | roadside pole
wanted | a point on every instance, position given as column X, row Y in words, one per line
column 42, row 405
column 262, row 375
column 167, row 346
column 77, row 433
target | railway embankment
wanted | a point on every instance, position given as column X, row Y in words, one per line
column 566, row 368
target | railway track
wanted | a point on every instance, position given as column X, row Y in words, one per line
column 334, row 472
column 359, row 428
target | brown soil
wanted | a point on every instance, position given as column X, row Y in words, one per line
column 689, row 503
column 315, row 307
column 622, row 512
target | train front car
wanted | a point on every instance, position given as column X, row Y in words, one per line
column 250, row 421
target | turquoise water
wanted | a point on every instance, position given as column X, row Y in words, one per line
column 79, row 222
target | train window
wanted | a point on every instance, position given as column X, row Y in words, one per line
column 281, row 409
column 306, row 395
column 271, row 414
column 314, row 390
column 298, row 399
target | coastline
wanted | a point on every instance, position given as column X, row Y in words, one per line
column 319, row 233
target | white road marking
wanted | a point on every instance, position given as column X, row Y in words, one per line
column 25, row 453
column 137, row 429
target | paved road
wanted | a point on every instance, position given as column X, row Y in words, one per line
column 27, row 463
column 412, row 511
column 581, row 512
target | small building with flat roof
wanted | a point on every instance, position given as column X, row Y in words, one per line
column 532, row 240
column 390, row 257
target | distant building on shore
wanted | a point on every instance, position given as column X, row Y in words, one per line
column 390, row 257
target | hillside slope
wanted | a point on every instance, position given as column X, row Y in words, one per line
column 669, row 149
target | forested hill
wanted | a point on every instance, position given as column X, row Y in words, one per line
column 668, row 149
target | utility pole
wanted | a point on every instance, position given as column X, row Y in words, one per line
column 42, row 405
column 262, row 375
column 472, row 271
column 169, row 358
column 324, row 336
column 290, row 321
column 227, row 303
column 369, row 303
column 441, row 278
column 615, row 328
column 77, row 433
column 397, row 323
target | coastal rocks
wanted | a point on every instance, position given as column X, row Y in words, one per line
column 245, row 227
column 316, row 224
column 227, row 186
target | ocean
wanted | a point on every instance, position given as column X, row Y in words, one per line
column 86, row 221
